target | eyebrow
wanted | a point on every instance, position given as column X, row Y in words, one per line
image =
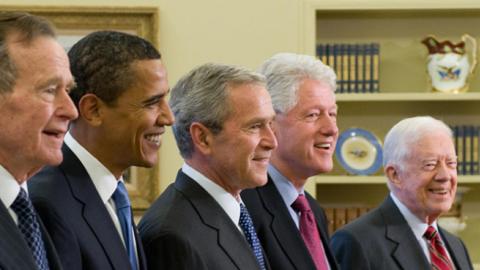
column 56, row 81
column 155, row 98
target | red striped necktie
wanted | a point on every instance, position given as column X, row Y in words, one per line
column 309, row 232
column 438, row 253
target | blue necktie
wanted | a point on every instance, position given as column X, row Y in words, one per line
column 28, row 225
column 124, row 213
column 247, row 226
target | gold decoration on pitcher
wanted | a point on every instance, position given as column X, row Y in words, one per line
column 450, row 65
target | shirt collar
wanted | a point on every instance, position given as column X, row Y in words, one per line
column 418, row 227
column 104, row 181
column 9, row 187
column 226, row 200
column 286, row 189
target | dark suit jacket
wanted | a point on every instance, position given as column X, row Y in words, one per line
column 14, row 251
column 187, row 229
column 277, row 231
column 382, row 239
column 75, row 216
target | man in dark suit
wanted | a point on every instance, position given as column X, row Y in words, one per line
column 290, row 224
column 121, row 96
column 34, row 114
column 402, row 233
column 223, row 116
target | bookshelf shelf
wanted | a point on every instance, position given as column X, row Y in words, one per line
column 407, row 97
column 398, row 26
column 373, row 180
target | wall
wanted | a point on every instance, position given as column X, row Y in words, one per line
column 194, row 32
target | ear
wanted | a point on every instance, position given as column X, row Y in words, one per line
column 392, row 173
column 202, row 138
column 89, row 108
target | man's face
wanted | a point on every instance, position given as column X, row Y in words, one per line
column 427, row 181
column 34, row 117
column 307, row 133
column 133, row 126
column 240, row 152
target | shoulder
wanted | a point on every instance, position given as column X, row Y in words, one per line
column 169, row 214
column 49, row 184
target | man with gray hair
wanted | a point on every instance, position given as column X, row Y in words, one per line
column 402, row 233
column 223, row 130
column 35, row 111
column 290, row 224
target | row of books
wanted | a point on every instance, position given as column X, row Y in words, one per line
column 467, row 148
column 356, row 65
column 337, row 216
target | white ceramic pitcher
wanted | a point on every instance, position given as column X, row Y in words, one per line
column 451, row 65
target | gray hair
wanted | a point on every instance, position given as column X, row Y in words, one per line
column 27, row 27
column 202, row 96
column 399, row 140
column 286, row 71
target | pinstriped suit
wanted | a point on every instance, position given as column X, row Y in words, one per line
column 14, row 251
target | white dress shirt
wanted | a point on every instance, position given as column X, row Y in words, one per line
column 9, row 189
column 418, row 227
column 104, row 181
column 289, row 194
column 227, row 202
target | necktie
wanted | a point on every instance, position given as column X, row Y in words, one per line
column 28, row 225
column 309, row 232
column 438, row 254
column 124, row 213
column 247, row 226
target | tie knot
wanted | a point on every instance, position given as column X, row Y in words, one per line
column 120, row 196
column 430, row 233
column 301, row 204
column 22, row 203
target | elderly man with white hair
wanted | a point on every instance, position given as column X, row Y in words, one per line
column 402, row 233
column 290, row 223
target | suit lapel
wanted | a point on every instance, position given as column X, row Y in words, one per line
column 229, row 237
column 142, row 262
column 456, row 250
column 284, row 228
column 405, row 249
column 52, row 256
column 14, row 251
column 94, row 212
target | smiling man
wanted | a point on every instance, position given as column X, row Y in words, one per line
column 34, row 114
column 290, row 224
column 223, row 130
column 121, row 96
column 402, row 233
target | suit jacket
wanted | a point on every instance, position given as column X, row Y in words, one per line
column 14, row 251
column 382, row 239
column 187, row 229
column 277, row 231
column 75, row 216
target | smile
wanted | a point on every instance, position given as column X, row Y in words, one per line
column 153, row 138
column 325, row 146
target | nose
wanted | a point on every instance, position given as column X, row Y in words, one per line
column 65, row 107
column 444, row 173
column 269, row 141
column 328, row 126
column 165, row 116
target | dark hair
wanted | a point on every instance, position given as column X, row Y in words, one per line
column 102, row 61
column 27, row 27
